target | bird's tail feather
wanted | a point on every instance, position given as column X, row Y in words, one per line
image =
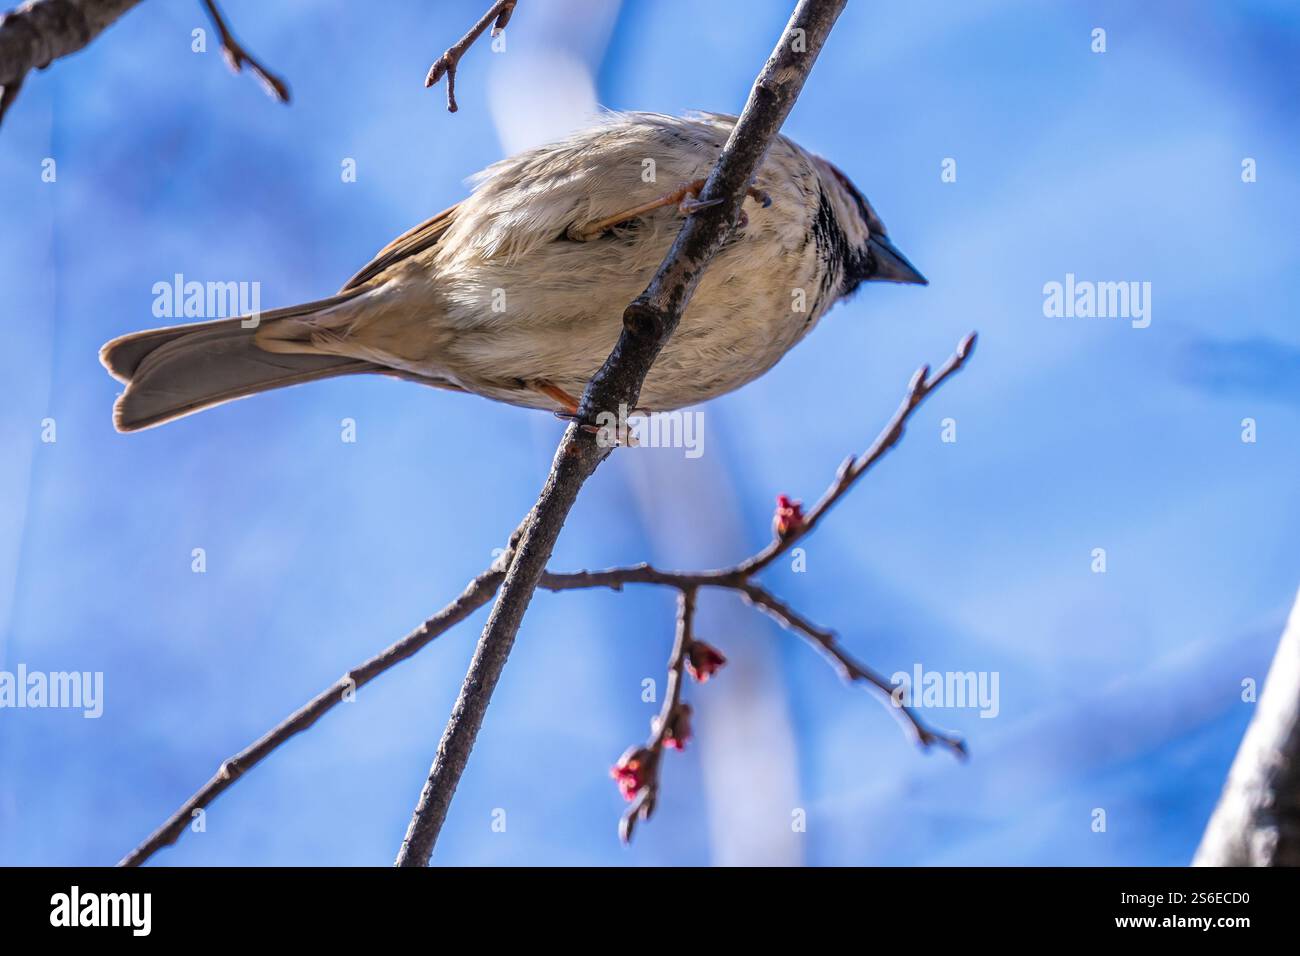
column 173, row 372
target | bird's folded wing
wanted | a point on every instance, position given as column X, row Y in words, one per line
column 415, row 239
column 533, row 198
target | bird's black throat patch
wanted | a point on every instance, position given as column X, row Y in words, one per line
column 845, row 267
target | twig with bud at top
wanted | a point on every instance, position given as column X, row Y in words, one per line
column 498, row 16
column 790, row 524
column 236, row 56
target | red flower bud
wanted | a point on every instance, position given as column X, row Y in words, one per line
column 703, row 660
column 788, row 518
column 630, row 772
column 678, row 734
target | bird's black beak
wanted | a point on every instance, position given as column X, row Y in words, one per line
column 889, row 265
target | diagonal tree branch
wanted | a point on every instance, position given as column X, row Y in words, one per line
column 648, row 323
column 40, row 31
column 850, row 668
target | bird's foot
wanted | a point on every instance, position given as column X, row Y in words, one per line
column 616, row 435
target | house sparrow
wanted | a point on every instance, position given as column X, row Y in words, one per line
column 517, row 293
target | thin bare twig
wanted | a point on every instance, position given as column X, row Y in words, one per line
column 498, row 16
column 237, row 56
column 648, row 322
column 850, row 668
column 738, row 578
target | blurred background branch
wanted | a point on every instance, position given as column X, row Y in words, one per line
column 1257, row 820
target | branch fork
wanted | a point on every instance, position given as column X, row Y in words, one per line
column 498, row 16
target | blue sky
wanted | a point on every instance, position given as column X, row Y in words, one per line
column 1118, row 691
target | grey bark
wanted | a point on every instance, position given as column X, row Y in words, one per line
column 40, row 31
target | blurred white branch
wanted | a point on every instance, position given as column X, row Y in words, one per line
column 1257, row 821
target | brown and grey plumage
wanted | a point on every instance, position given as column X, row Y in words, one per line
column 504, row 295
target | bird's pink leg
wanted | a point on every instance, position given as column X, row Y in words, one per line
column 552, row 391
